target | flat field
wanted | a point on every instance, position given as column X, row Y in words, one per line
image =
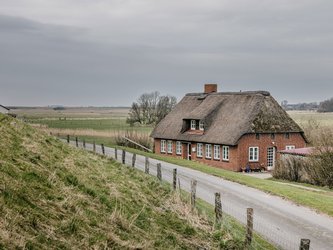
column 99, row 122
column 303, row 118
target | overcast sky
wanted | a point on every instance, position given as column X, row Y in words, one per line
column 108, row 52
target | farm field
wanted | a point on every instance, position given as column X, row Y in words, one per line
column 303, row 118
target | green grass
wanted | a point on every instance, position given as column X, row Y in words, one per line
column 53, row 196
column 94, row 124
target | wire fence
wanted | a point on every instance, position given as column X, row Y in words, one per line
column 231, row 211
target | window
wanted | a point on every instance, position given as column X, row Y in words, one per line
column 253, row 153
column 272, row 136
column 287, row 135
column 257, row 136
column 217, row 152
column 290, row 147
column 199, row 150
column 178, row 148
column 225, row 150
column 201, row 125
column 169, row 146
column 193, row 125
column 162, row 146
column 208, row 151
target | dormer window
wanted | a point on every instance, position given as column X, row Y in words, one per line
column 201, row 126
column 193, row 124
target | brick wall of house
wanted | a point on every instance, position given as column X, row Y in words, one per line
column 232, row 164
column 239, row 155
column 264, row 142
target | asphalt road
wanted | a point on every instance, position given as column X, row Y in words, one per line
column 280, row 221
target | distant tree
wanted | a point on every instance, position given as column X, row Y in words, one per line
column 150, row 108
column 326, row 106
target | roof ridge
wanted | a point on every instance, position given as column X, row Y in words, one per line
column 257, row 92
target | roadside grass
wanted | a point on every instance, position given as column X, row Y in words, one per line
column 53, row 196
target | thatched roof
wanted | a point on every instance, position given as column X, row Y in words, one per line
column 227, row 117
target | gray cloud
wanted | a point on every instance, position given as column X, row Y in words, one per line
column 109, row 52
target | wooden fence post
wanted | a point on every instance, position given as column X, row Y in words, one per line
column 159, row 171
column 218, row 208
column 123, row 156
column 76, row 142
column 249, row 227
column 116, row 153
column 193, row 193
column 133, row 160
column 174, row 178
column 84, row 143
column 305, row 244
column 94, row 147
column 67, row 138
column 103, row 149
column 147, row 165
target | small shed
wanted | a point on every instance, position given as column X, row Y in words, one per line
column 4, row 110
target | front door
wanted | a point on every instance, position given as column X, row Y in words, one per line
column 189, row 151
column 270, row 158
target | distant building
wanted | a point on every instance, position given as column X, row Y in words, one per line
column 228, row 129
column 4, row 110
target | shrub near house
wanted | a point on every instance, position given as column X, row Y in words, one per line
column 227, row 129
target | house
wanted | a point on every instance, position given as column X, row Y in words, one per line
column 4, row 110
column 228, row 129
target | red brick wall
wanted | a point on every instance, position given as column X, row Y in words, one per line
column 232, row 164
column 265, row 141
column 239, row 155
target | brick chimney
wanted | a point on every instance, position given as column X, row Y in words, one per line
column 210, row 88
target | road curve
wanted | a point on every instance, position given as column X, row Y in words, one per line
column 280, row 221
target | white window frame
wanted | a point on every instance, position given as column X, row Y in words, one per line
column 163, row 142
column 178, row 147
column 253, row 154
column 290, row 147
column 208, row 151
column 217, row 152
column 170, row 146
column 193, row 124
column 225, row 153
column 199, row 149
column 201, row 126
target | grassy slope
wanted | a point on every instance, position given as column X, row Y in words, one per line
column 55, row 196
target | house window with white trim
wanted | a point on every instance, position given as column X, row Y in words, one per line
column 290, row 147
column 199, row 150
column 201, row 126
column 217, row 152
column 170, row 147
column 162, row 146
column 178, row 148
column 208, row 151
column 225, row 153
column 193, row 124
column 253, row 154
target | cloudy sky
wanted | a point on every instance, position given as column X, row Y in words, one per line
column 108, row 52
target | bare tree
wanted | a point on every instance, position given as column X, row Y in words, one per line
column 326, row 106
column 151, row 108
